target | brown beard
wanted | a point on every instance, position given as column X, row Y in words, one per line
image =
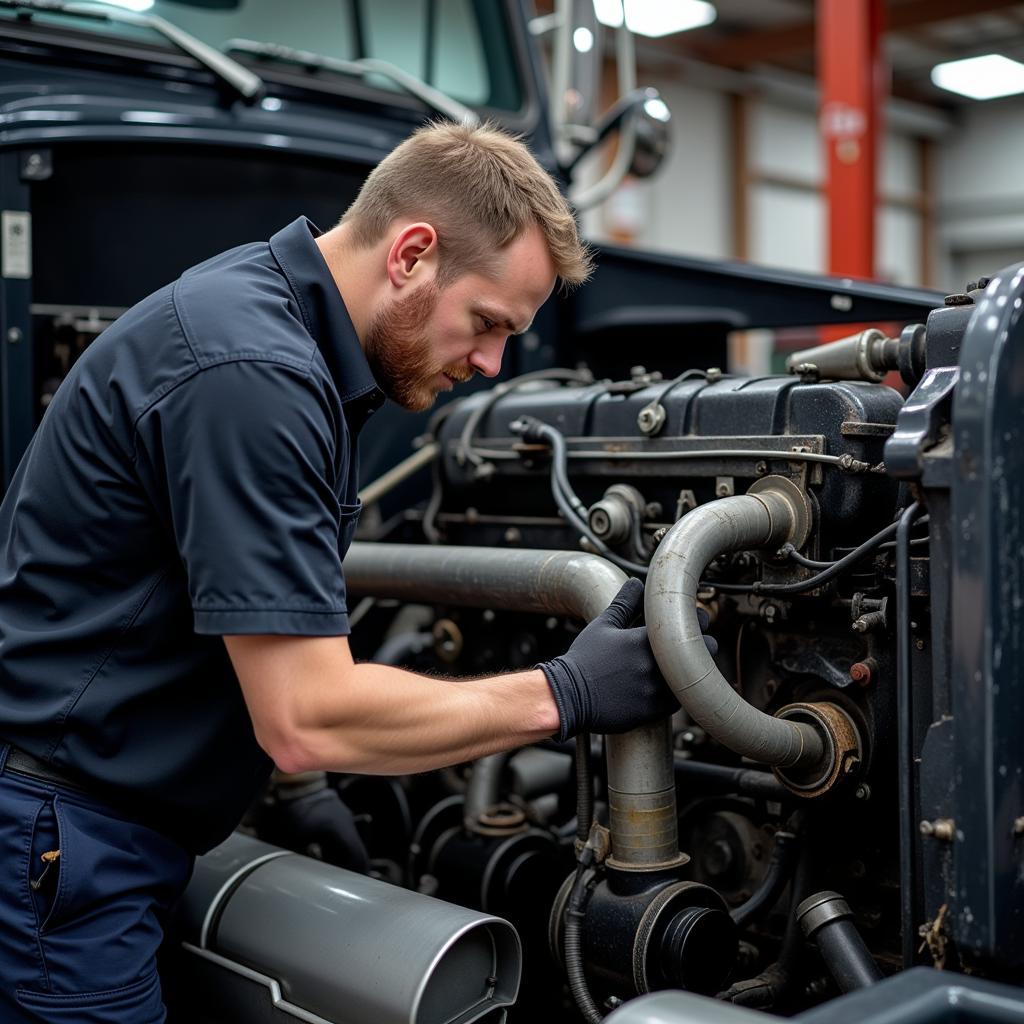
column 398, row 351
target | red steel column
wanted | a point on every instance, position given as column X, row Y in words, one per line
column 852, row 80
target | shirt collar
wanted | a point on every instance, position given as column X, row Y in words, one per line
column 324, row 313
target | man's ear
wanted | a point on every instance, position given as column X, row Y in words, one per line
column 413, row 255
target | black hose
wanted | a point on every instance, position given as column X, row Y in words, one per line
column 810, row 563
column 566, row 499
column 724, row 779
column 832, row 571
column 780, row 868
column 573, row 941
column 465, row 449
column 905, row 725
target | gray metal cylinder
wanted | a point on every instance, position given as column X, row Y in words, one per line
column 750, row 521
column 556, row 582
column 560, row 583
column 292, row 936
column 642, row 799
column 868, row 355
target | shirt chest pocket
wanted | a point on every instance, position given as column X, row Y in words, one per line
column 348, row 520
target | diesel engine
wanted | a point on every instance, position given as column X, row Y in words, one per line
column 838, row 798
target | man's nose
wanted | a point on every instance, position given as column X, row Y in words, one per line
column 486, row 358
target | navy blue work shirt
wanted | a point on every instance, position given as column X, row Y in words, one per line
column 194, row 476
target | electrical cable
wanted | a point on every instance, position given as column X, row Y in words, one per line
column 837, row 567
column 793, row 555
column 566, row 499
column 660, row 397
column 465, row 449
column 572, row 940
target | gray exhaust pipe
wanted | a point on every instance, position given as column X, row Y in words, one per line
column 777, row 512
column 641, row 781
column 271, row 935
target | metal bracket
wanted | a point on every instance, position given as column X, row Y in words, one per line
column 919, row 422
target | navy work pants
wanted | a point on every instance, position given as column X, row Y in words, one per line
column 79, row 932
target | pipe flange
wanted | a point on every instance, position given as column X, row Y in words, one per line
column 501, row 819
column 842, row 756
column 820, row 909
column 797, row 500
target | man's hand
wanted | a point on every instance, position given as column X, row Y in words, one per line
column 608, row 680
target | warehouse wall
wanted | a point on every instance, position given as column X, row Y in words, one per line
column 980, row 222
column 689, row 208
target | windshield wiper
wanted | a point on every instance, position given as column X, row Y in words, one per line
column 438, row 101
column 246, row 83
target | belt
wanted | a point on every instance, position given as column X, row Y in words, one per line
column 22, row 763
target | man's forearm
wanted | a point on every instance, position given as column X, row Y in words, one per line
column 386, row 721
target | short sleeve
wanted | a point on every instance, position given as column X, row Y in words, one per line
column 242, row 461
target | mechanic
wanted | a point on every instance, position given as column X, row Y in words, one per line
column 172, row 599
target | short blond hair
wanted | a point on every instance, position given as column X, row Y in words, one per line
column 480, row 188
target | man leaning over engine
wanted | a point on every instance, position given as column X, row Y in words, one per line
column 172, row 599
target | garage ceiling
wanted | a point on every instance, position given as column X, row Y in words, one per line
column 752, row 34
column 919, row 34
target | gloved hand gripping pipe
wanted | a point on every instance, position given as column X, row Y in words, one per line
column 765, row 519
column 641, row 785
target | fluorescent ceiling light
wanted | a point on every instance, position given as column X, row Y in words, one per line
column 609, row 12
column 583, row 39
column 655, row 17
column 981, row 78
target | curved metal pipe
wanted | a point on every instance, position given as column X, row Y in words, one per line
column 643, row 828
column 766, row 519
column 484, row 787
column 557, row 582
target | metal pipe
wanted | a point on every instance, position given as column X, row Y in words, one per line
column 826, row 919
column 643, row 828
column 484, row 787
column 642, row 799
column 285, row 937
column 386, row 482
column 767, row 518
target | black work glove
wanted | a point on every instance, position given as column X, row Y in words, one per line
column 608, row 680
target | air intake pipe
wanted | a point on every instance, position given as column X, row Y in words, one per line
column 809, row 745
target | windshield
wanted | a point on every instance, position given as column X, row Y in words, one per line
column 460, row 47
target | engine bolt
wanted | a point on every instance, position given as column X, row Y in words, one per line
column 863, row 672
column 863, row 792
column 1018, row 826
column 761, row 467
column 942, row 829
